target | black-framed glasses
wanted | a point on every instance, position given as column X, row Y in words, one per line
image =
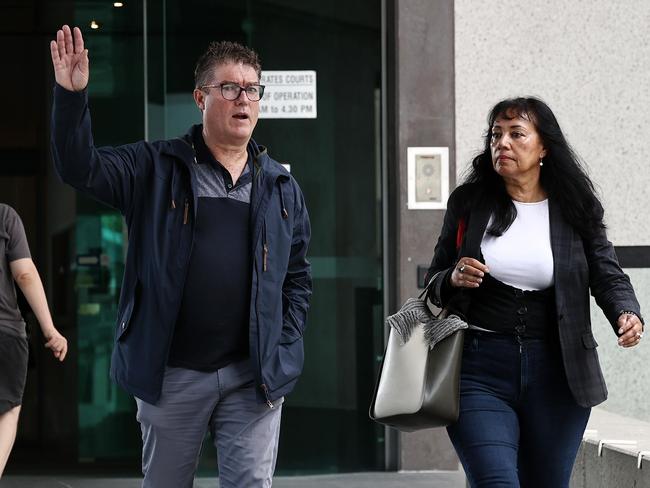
column 232, row 91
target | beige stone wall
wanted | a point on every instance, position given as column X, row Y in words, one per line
column 590, row 61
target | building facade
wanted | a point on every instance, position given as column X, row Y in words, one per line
column 390, row 75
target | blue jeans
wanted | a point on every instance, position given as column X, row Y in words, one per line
column 244, row 431
column 519, row 425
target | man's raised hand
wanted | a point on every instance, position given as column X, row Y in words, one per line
column 70, row 59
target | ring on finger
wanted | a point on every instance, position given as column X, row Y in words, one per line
column 461, row 269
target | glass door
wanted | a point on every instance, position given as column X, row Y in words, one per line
column 107, row 429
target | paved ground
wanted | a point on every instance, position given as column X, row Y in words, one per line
column 355, row 480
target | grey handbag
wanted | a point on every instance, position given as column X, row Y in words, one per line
column 418, row 382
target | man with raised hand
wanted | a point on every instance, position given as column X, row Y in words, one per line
column 216, row 284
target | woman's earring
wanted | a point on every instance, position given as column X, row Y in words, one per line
column 541, row 162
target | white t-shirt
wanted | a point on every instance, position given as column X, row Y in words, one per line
column 522, row 256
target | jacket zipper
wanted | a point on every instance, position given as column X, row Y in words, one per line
column 265, row 251
column 266, row 394
column 265, row 248
column 185, row 221
column 283, row 212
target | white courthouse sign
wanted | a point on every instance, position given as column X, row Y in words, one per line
column 288, row 95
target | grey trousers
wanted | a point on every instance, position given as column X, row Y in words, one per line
column 245, row 432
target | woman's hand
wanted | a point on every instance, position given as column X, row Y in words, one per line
column 468, row 273
column 57, row 343
column 630, row 330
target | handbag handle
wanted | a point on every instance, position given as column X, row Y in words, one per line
column 426, row 288
column 460, row 235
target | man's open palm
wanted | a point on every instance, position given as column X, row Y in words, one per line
column 70, row 59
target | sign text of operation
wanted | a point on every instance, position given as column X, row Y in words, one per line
column 288, row 95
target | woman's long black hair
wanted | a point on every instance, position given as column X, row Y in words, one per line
column 562, row 176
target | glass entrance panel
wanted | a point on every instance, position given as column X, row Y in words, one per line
column 335, row 158
column 107, row 430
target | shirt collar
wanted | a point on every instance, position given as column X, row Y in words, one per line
column 204, row 155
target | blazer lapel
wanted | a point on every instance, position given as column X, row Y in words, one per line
column 562, row 235
column 476, row 226
column 561, row 240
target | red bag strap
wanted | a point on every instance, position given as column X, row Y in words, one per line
column 460, row 233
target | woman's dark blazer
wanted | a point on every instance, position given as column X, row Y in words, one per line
column 580, row 265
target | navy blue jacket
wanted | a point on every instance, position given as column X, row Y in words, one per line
column 151, row 185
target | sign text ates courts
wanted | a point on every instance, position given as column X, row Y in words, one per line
column 288, row 95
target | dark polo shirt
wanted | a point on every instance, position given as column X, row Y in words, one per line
column 212, row 326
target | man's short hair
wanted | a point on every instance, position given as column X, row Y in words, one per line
column 221, row 52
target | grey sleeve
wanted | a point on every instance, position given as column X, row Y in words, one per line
column 17, row 247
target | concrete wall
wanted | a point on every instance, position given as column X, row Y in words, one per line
column 424, row 116
column 588, row 59
column 621, row 439
column 614, row 468
column 626, row 370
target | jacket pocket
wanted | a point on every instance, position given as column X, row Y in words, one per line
column 291, row 357
column 589, row 341
column 124, row 319
column 289, row 335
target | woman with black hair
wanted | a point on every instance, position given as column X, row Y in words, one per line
column 523, row 243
